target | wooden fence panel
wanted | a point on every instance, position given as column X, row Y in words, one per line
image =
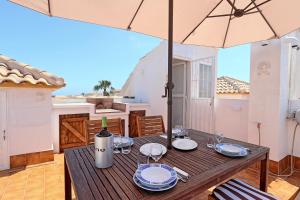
column 72, row 130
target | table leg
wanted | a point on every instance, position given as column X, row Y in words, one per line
column 68, row 189
column 264, row 171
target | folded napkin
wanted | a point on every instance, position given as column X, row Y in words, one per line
column 181, row 172
column 164, row 136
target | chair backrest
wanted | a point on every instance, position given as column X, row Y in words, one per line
column 148, row 125
column 94, row 126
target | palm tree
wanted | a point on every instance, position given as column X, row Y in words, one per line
column 103, row 85
column 112, row 90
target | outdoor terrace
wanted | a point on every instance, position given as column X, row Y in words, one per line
column 46, row 182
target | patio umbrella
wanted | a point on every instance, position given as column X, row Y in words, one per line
column 215, row 23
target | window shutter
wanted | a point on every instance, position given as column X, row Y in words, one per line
column 202, row 78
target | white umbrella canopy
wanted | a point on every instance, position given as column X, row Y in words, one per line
column 215, row 23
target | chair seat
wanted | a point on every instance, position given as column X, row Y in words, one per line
column 236, row 189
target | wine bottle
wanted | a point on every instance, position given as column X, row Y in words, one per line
column 104, row 132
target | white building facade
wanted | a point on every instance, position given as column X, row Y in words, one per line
column 194, row 78
column 25, row 113
column 274, row 93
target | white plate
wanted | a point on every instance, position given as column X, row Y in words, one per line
column 154, row 189
column 231, row 150
column 156, row 175
column 184, row 144
column 145, row 149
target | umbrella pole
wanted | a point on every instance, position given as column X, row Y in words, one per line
column 170, row 84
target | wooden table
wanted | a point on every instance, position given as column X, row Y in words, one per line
column 206, row 168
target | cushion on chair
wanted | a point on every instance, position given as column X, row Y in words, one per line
column 236, row 189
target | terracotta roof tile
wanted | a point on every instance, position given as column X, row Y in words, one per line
column 228, row 85
column 16, row 73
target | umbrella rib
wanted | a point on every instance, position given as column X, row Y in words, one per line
column 263, row 16
column 201, row 22
column 232, row 4
column 248, row 5
column 228, row 25
column 258, row 5
column 49, row 8
column 225, row 15
column 253, row 12
column 136, row 12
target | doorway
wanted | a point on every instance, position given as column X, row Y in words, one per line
column 4, row 157
column 202, row 90
column 179, row 94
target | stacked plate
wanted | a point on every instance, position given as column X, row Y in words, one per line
column 155, row 177
column 231, row 150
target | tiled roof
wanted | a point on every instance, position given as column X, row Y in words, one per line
column 15, row 74
column 228, row 85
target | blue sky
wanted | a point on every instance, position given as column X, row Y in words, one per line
column 85, row 53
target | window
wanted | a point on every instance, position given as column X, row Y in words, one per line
column 202, row 78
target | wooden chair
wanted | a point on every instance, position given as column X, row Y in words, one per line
column 148, row 125
column 94, row 126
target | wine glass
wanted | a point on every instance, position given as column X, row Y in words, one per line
column 126, row 146
column 178, row 127
column 210, row 142
column 117, row 142
column 156, row 152
column 186, row 134
column 179, row 130
column 142, row 160
column 219, row 137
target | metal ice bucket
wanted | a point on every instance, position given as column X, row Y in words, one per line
column 104, row 151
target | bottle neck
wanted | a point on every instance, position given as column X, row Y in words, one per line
column 104, row 123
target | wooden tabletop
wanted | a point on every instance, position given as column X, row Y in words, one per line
column 205, row 167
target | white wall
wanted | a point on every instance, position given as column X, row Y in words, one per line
column 149, row 77
column 149, row 86
column 295, row 69
column 269, row 97
column 29, row 120
column 231, row 118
